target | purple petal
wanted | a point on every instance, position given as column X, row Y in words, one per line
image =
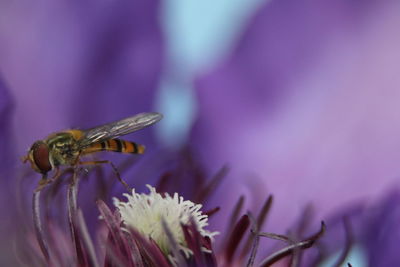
column 6, row 107
column 150, row 251
column 73, row 64
column 374, row 228
column 235, row 237
column 381, row 233
column 118, row 245
column 7, row 183
column 307, row 105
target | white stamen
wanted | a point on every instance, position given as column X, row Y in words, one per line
column 145, row 212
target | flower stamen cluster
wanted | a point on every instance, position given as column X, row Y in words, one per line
column 146, row 213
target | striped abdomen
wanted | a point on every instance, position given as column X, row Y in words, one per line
column 115, row 145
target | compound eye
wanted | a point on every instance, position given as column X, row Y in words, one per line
column 40, row 154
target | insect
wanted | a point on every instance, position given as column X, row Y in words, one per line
column 65, row 148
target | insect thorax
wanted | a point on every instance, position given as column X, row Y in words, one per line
column 64, row 149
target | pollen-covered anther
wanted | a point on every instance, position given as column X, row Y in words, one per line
column 146, row 213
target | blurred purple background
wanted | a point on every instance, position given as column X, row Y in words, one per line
column 308, row 104
column 301, row 102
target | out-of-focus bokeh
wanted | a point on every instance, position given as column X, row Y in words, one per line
column 298, row 98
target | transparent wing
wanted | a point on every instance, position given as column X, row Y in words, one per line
column 119, row 128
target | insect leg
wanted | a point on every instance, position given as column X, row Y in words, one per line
column 113, row 167
column 56, row 175
column 44, row 181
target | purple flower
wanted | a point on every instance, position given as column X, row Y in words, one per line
column 306, row 107
column 65, row 65
column 153, row 229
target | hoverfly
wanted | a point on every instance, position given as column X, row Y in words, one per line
column 67, row 147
